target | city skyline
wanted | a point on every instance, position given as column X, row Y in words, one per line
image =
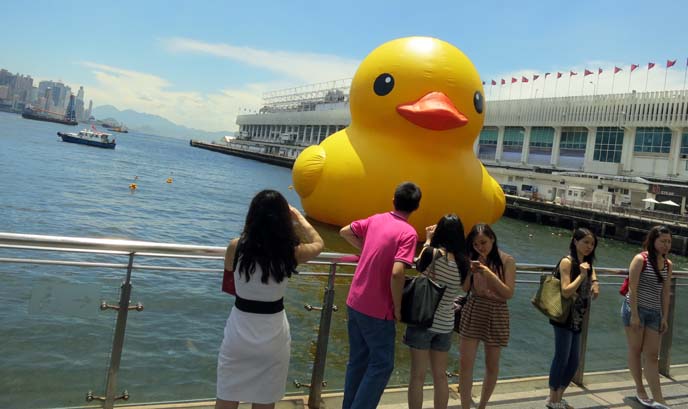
column 199, row 65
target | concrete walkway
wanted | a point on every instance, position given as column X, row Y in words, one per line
column 602, row 390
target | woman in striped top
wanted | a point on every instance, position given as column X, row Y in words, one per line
column 443, row 258
column 644, row 312
column 485, row 317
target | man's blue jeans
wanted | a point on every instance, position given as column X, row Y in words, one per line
column 371, row 360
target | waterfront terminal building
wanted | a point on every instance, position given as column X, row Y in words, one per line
column 602, row 151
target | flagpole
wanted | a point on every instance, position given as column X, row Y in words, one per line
column 630, row 74
column 597, row 83
column 499, row 93
column 613, row 78
column 583, row 87
column 647, row 77
column 544, row 86
column 510, row 86
column 666, row 71
column 685, row 74
column 568, row 91
column 556, row 86
column 532, row 89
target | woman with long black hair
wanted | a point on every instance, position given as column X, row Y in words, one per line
column 485, row 317
column 254, row 356
column 443, row 258
column 578, row 281
column 644, row 312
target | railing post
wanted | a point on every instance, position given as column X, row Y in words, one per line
column 118, row 339
column 318, row 373
column 667, row 337
column 578, row 377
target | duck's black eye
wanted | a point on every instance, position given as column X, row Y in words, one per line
column 384, row 84
column 478, row 102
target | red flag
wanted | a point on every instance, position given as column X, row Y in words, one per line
column 670, row 63
column 650, row 65
column 587, row 72
column 616, row 69
column 524, row 79
column 599, row 71
column 546, row 74
column 559, row 75
column 513, row 80
column 572, row 73
column 535, row 76
column 633, row 67
column 494, row 82
column 503, row 82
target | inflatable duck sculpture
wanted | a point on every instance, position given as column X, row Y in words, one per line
column 417, row 106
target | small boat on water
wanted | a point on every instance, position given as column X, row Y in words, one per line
column 89, row 137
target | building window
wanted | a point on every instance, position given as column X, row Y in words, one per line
column 541, row 137
column 608, row 144
column 488, row 136
column 513, row 137
column 684, row 143
column 574, row 139
column 652, row 140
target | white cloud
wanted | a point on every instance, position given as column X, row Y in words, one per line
column 642, row 80
column 144, row 92
column 304, row 67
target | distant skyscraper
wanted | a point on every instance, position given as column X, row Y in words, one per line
column 90, row 109
column 48, row 98
column 60, row 93
column 79, row 105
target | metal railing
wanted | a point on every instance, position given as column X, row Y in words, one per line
column 133, row 249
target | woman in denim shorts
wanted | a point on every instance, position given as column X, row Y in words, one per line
column 444, row 260
column 644, row 312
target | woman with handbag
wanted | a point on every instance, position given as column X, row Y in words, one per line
column 644, row 312
column 444, row 260
column 254, row 356
column 485, row 316
column 578, row 280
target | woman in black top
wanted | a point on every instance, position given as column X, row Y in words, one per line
column 578, row 280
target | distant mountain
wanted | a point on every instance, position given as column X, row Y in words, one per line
column 153, row 124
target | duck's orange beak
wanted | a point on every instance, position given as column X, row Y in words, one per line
column 434, row 111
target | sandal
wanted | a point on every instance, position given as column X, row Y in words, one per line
column 647, row 402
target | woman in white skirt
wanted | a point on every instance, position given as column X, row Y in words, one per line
column 254, row 356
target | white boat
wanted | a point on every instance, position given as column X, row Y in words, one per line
column 89, row 137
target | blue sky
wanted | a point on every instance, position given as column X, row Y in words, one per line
column 198, row 63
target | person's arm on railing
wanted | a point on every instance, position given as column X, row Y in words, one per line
column 666, row 295
column 595, row 285
column 350, row 237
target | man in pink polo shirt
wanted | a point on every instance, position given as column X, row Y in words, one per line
column 387, row 243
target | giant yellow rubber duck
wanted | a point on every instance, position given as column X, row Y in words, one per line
column 417, row 106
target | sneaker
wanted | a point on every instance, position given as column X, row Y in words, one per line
column 647, row 402
column 555, row 405
column 565, row 404
column 658, row 405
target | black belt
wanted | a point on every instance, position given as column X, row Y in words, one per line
column 259, row 307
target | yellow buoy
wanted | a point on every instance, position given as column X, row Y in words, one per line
column 169, row 180
column 132, row 186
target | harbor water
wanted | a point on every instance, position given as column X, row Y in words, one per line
column 52, row 354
